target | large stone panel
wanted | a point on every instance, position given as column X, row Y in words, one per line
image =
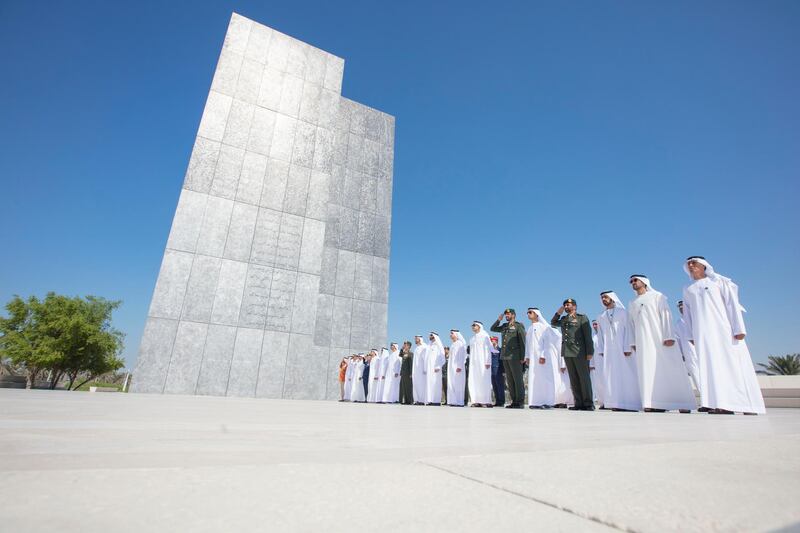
column 214, row 372
column 277, row 261
column 244, row 365
column 187, row 355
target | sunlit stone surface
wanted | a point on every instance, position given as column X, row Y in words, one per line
column 277, row 263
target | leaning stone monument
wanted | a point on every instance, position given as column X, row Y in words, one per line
column 277, row 263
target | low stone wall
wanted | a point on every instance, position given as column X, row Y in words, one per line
column 780, row 391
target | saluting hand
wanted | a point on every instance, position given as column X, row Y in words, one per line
column 560, row 310
column 500, row 317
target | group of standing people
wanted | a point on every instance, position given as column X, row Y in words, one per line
column 629, row 359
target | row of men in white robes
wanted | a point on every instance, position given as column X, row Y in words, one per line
column 641, row 361
column 382, row 379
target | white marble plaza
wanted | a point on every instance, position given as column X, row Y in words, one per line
column 132, row 462
column 277, row 263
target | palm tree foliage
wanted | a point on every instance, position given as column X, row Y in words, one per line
column 782, row 365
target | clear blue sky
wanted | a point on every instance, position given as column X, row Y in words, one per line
column 544, row 149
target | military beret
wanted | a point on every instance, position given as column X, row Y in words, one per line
column 510, row 310
column 569, row 301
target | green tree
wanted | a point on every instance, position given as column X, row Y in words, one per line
column 70, row 336
column 782, row 365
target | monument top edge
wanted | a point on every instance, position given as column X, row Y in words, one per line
column 241, row 18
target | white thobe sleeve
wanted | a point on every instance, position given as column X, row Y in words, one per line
column 626, row 328
column 528, row 344
column 665, row 316
column 600, row 346
column 630, row 331
column 733, row 309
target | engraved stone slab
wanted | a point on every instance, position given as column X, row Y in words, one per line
column 265, row 240
column 281, row 299
column 256, row 296
column 287, row 252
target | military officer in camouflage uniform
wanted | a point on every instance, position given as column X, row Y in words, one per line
column 512, row 354
column 577, row 349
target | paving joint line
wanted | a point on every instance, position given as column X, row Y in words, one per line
column 533, row 499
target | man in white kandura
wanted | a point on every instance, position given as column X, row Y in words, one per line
column 434, row 363
column 480, row 367
column 687, row 349
column 348, row 377
column 374, row 376
column 419, row 370
column 391, row 388
column 597, row 371
column 542, row 348
column 716, row 328
column 564, row 395
column 621, row 373
column 383, row 364
column 663, row 380
column 357, row 390
column 456, row 373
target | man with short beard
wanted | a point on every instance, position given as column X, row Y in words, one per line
column 577, row 349
column 406, row 383
column 512, row 354
column 419, row 373
column 663, row 380
column 456, row 377
column 716, row 328
column 480, row 377
column 621, row 373
column 542, row 347
column 434, row 362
